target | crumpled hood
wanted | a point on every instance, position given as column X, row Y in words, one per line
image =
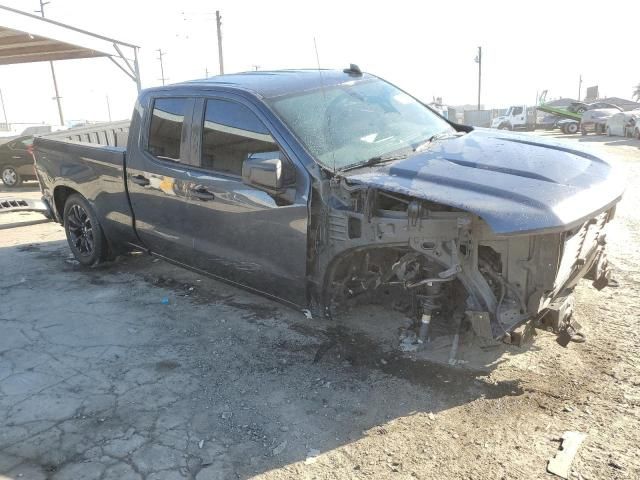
column 517, row 183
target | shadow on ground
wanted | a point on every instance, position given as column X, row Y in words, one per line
column 139, row 369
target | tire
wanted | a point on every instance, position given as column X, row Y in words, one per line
column 84, row 233
column 571, row 128
column 504, row 127
column 581, row 110
column 563, row 129
column 10, row 176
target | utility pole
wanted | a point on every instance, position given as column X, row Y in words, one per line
column 4, row 112
column 206, row 72
column 479, row 62
column 160, row 55
column 579, row 87
column 108, row 107
column 256, row 67
column 53, row 72
column 219, row 25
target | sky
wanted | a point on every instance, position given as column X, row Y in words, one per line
column 426, row 48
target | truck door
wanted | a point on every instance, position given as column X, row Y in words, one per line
column 517, row 116
column 245, row 230
column 157, row 178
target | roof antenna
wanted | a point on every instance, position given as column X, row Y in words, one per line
column 324, row 95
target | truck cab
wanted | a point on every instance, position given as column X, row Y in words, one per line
column 330, row 191
column 517, row 117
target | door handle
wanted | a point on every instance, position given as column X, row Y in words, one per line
column 201, row 193
column 140, row 180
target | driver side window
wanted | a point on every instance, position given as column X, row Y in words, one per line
column 232, row 133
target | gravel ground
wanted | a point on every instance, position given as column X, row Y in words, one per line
column 100, row 379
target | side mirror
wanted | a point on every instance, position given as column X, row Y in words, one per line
column 264, row 170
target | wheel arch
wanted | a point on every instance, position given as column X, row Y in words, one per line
column 60, row 195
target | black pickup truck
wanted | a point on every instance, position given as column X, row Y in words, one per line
column 323, row 189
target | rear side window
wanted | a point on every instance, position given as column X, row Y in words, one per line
column 232, row 133
column 165, row 131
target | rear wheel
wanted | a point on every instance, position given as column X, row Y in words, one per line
column 10, row 176
column 84, row 234
column 571, row 128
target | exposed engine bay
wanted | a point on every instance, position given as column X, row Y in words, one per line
column 446, row 269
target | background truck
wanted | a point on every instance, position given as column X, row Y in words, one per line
column 326, row 191
column 517, row 117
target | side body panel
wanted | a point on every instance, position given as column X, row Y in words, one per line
column 245, row 234
column 96, row 172
column 241, row 233
column 161, row 205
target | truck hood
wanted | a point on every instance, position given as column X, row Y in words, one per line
column 517, row 183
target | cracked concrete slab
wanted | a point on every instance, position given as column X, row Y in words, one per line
column 99, row 379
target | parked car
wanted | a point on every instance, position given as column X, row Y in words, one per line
column 340, row 189
column 596, row 120
column 16, row 161
column 636, row 128
column 580, row 107
column 622, row 124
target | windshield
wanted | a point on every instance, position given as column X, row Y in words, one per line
column 354, row 122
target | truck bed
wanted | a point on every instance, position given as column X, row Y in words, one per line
column 90, row 162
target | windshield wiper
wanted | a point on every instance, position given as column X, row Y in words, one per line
column 377, row 160
column 437, row 136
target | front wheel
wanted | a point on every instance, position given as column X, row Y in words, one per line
column 10, row 176
column 84, row 234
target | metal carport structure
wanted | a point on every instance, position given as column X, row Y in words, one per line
column 26, row 38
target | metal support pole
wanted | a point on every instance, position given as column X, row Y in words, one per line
column 57, row 97
column 4, row 112
column 580, row 87
column 53, row 73
column 136, row 67
column 160, row 54
column 479, row 74
column 219, row 25
column 108, row 107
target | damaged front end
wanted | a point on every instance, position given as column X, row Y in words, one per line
column 445, row 267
